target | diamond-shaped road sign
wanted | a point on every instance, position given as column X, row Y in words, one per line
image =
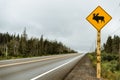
column 99, row 18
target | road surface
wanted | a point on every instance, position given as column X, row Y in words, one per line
column 39, row 68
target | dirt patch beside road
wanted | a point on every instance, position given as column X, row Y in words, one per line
column 82, row 71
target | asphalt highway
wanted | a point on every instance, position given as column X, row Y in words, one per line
column 38, row 68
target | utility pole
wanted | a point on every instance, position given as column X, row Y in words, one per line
column 14, row 49
column 6, row 51
column 119, row 55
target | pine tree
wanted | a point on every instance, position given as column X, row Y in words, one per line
column 115, row 44
column 41, row 42
column 108, row 45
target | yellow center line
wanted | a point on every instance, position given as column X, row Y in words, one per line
column 6, row 65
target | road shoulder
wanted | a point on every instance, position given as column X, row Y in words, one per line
column 82, row 71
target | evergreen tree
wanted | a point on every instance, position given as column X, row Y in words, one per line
column 115, row 44
column 108, row 45
column 41, row 43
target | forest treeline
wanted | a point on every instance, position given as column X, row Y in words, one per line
column 20, row 45
column 112, row 45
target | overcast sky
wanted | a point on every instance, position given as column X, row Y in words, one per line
column 61, row 20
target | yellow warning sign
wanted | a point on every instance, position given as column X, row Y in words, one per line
column 99, row 18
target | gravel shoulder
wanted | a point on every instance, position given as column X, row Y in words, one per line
column 82, row 71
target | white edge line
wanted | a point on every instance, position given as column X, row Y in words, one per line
column 55, row 68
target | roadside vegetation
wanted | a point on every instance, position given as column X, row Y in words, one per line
column 110, row 59
column 19, row 46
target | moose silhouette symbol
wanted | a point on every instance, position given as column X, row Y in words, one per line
column 97, row 18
